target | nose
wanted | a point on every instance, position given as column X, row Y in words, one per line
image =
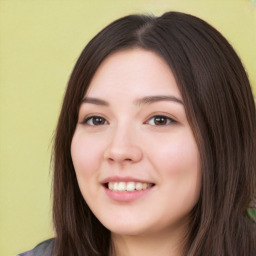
column 123, row 147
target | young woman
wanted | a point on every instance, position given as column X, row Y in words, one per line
column 155, row 146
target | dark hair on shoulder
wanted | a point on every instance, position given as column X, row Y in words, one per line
column 220, row 109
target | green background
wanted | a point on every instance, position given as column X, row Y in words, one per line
column 40, row 41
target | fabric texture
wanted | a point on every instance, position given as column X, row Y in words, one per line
column 251, row 211
column 43, row 249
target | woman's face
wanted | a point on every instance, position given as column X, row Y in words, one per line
column 134, row 154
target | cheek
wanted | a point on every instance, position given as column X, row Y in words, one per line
column 178, row 163
column 86, row 155
column 176, row 152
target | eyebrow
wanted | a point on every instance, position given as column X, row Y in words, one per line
column 95, row 101
column 142, row 101
column 153, row 99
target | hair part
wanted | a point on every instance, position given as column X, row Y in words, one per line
column 220, row 109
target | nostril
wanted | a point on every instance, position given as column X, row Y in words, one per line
column 111, row 160
column 123, row 153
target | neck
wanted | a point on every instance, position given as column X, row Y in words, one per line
column 164, row 244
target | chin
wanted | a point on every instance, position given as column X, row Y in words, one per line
column 127, row 228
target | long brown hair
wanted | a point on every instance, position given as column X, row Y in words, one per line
column 221, row 111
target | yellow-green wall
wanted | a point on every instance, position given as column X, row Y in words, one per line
column 40, row 41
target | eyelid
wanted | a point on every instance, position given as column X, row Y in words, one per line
column 171, row 119
column 87, row 118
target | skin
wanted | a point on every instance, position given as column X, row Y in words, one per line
column 128, row 140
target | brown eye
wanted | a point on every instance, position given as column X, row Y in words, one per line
column 160, row 120
column 95, row 121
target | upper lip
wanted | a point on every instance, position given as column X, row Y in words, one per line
column 124, row 179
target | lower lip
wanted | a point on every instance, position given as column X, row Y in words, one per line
column 126, row 196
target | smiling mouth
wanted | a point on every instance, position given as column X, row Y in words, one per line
column 130, row 186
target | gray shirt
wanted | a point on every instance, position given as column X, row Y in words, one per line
column 43, row 249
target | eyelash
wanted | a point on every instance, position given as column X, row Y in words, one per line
column 94, row 118
column 102, row 121
column 162, row 118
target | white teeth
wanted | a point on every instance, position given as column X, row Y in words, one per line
column 115, row 186
column 111, row 185
column 121, row 186
column 138, row 186
column 145, row 185
column 128, row 186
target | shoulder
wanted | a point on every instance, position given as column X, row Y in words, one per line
column 43, row 249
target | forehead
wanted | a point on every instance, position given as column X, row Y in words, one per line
column 136, row 71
